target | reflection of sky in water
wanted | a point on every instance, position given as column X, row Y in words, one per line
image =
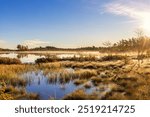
column 11, row 55
column 27, row 58
column 30, row 58
column 67, row 55
column 38, row 83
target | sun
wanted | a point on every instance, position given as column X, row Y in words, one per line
column 146, row 25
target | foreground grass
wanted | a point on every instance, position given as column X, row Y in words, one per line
column 113, row 79
column 11, row 85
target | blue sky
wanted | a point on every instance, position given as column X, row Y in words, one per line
column 70, row 23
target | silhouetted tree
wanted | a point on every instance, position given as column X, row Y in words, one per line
column 22, row 47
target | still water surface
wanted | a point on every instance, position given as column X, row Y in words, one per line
column 48, row 89
column 30, row 58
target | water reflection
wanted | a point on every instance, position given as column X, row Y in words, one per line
column 31, row 57
column 25, row 58
column 49, row 88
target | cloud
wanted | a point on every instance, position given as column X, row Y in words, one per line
column 134, row 9
column 35, row 43
column 137, row 10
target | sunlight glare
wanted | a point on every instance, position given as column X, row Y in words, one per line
column 146, row 25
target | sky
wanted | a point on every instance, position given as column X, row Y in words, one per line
column 71, row 23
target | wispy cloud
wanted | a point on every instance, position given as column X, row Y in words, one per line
column 132, row 8
column 137, row 10
column 35, row 43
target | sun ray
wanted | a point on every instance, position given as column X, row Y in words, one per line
column 146, row 24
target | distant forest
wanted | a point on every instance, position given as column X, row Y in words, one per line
column 140, row 45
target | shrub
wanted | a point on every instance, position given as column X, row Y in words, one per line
column 112, row 58
column 46, row 60
column 5, row 60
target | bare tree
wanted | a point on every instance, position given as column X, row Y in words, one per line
column 139, row 33
column 140, row 41
column 108, row 46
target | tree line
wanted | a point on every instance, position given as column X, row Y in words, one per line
column 140, row 45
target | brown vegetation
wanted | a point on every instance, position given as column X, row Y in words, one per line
column 5, row 60
column 114, row 77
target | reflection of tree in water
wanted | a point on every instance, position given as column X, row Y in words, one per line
column 29, row 80
column 59, row 78
column 39, row 80
column 52, row 81
column 22, row 56
column 64, row 80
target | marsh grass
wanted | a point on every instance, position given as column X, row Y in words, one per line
column 79, row 81
column 96, row 80
column 81, row 58
column 5, row 60
column 113, row 58
column 86, row 73
column 13, row 93
column 130, row 87
column 88, row 85
column 49, row 66
column 81, row 95
column 64, row 75
column 123, row 78
column 12, row 85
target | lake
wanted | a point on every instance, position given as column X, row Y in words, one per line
column 31, row 57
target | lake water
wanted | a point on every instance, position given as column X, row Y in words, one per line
column 30, row 58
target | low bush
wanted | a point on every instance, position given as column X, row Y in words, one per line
column 5, row 60
column 113, row 58
column 46, row 60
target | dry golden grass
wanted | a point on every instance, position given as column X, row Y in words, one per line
column 96, row 80
column 81, row 95
column 5, row 60
column 14, row 93
column 126, row 80
column 79, row 81
column 88, row 85
column 10, row 81
column 85, row 73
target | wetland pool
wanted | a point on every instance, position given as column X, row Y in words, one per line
column 50, row 88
